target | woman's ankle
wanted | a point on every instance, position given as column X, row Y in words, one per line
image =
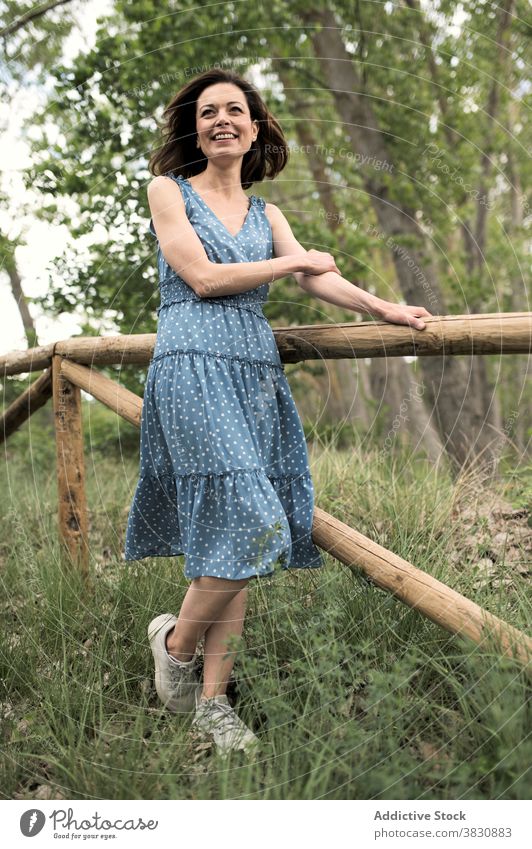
column 183, row 653
column 211, row 694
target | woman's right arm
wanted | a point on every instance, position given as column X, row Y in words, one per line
column 184, row 252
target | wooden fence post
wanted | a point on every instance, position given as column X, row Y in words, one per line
column 72, row 503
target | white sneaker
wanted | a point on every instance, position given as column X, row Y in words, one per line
column 216, row 718
column 177, row 683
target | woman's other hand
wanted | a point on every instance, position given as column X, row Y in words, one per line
column 316, row 262
column 402, row 314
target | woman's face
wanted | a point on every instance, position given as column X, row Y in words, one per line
column 222, row 109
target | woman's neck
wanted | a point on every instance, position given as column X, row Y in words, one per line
column 225, row 182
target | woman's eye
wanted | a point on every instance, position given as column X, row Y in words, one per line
column 208, row 111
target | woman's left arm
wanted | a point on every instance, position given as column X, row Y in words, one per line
column 333, row 288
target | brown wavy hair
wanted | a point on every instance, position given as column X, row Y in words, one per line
column 178, row 152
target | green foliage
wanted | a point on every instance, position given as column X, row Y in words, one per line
column 105, row 106
column 104, row 433
column 32, row 41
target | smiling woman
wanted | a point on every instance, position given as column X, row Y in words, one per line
column 224, row 475
column 224, row 469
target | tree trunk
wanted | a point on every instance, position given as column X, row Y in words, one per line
column 476, row 245
column 346, row 401
column 29, row 326
column 520, row 375
column 448, row 387
column 22, row 304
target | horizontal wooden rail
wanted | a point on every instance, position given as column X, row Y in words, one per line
column 32, row 359
column 116, row 397
column 497, row 333
column 34, row 397
column 435, row 600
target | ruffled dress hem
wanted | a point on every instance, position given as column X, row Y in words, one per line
column 194, row 515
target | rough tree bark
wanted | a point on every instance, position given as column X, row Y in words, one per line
column 460, row 415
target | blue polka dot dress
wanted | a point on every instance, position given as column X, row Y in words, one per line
column 224, row 474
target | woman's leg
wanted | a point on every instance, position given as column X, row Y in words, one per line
column 205, row 600
column 218, row 657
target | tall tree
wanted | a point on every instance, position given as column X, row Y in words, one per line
column 32, row 39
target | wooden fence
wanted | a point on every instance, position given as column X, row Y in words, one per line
column 68, row 367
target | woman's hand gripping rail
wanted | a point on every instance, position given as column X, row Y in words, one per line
column 184, row 252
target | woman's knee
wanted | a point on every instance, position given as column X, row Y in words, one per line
column 210, row 583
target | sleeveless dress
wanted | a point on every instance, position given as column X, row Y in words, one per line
column 224, row 473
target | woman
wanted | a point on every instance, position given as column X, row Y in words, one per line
column 224, row 474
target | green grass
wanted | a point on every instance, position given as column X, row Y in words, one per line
column 353, row 694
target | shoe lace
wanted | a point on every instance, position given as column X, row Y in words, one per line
column 180, row 673
column 223, row 714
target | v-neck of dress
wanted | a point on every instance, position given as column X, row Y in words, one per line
column 206, row 205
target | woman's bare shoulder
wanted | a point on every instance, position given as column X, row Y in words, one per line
column 271, row 207
column 275, row 216
column 160, row 181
